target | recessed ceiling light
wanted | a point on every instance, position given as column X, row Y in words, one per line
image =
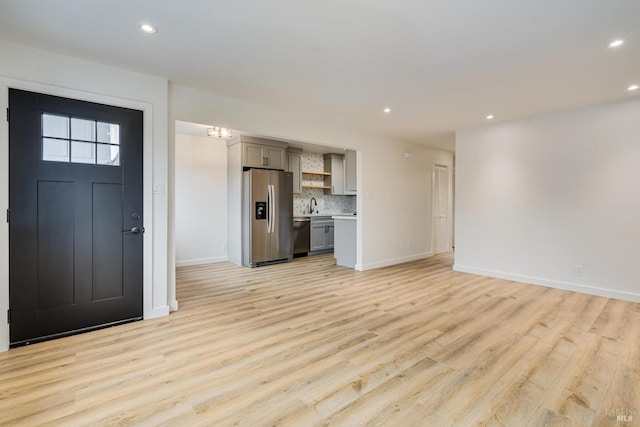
column 633, row 87
column 387, row 110
column 490, row 117
column 148, row 28
column 616, row 43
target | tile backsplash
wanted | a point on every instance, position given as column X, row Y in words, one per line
column 312, row 162
column 327, row 203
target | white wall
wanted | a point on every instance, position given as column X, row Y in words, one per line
column 34, row 70
column 394, row 212
column 536, row 197
column 395, row 202
column 394, row 193
column 200, row 200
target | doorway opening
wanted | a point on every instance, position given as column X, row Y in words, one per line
column 440, row 209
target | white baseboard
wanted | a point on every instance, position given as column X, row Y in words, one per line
column 188, row 262
column 394, row 261
column 567, row 286
column 173, row 305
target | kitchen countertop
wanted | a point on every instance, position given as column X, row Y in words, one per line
column 345, row 216
column 314, row 215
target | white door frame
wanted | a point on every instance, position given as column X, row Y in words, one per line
column 147, row 150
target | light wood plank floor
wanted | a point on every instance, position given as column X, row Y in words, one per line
column 309, row 343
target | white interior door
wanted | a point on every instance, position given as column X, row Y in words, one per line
column 440, row 211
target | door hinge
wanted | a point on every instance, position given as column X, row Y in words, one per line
column 8, row 113
column 9, row 316
column 8, row 215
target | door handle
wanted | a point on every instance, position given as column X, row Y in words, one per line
column 269, row 202
column 134, row 230
column 273, row 208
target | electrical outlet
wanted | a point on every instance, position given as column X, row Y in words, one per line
column 408, row 246
column 579, row 269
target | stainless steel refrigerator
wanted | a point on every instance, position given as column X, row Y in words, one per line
column 267, row 218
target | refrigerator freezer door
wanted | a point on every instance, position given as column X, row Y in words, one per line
column 282, row 226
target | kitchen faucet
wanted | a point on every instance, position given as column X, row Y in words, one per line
column 315, row 203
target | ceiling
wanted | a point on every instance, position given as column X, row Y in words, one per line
column 440, row 65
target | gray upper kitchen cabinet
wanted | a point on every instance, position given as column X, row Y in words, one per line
column 252, row 155
column 261, row 153
column 322, row 235
column 350, row 173
column 294, row 160
column 263, row 156
column 334, row 163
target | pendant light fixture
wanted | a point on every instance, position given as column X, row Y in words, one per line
column 218, row 132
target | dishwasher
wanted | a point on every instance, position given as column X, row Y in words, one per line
column 301, row 236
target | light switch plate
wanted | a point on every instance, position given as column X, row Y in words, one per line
column 158, row 188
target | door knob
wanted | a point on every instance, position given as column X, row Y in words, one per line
column 134, row 230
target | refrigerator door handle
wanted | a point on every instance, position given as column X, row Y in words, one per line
column 269, row 205
column 272, row 223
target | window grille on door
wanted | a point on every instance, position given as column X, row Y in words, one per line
column 75, row 140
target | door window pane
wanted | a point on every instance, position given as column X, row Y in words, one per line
column 70, row 139
column 109, row 133
column 83, row 129
column 55, row 150
column 83, row 152
column 55, row 126
column 108, row 155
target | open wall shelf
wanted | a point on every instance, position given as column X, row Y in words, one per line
column 316, row 173
column 317, row 187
